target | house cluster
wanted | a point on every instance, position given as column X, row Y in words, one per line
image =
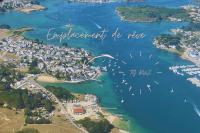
column 80, row 109
column 40, row 113
column 12, row 4
column 194, row 12
column 190, row 40
column 61, row 62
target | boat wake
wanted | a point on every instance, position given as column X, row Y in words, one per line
column 97, row 25
column 196, row 109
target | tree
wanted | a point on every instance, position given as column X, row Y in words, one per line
column 102, row 126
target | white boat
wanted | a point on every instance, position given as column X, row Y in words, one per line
column 185, row 100
column 159, row 72
column 123, row 81
column 156, row 82
column 104, row 69
column 130, row 88
column 124, row 62
column 149, row 87
column 131, row 56
column 157, row 63
column 172, row 90
column 122, row 101
column 150, row 56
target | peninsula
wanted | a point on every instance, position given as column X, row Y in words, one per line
column 61, row 62
column 185, row 42
column 49, row 108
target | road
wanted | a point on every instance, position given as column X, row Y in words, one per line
column 54, row 99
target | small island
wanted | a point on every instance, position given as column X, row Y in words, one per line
column 152, row 14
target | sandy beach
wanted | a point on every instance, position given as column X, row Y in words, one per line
column 116, row 120
column 187, row 57
column 4, row 33
column 184, row 55
column 7, row 32
column 50, row 79
column 31, row 8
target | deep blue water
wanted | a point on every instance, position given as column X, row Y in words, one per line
column 158, row 111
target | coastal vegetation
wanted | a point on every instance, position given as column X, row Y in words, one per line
column 60, row 93
column 33, row 67
column 8, row 76
column 169, row 41
column 152, row 14
column 102, row 126
column 21, row 99
column 20, row 91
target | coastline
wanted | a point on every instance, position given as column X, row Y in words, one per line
column 10, row 32
column 45, row 78
column 183, row 55
column 120, row 125
column 194, row 81
column 122, row 18
column 31, row 8
column 115, row 120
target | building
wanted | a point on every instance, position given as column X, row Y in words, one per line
column 78, row 110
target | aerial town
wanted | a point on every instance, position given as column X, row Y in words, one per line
column 185, row 42
column 41, row 104
column 61, row 62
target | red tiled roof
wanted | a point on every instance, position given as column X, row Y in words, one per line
column 79, row 110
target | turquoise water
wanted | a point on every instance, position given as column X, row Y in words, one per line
column 158, row 111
